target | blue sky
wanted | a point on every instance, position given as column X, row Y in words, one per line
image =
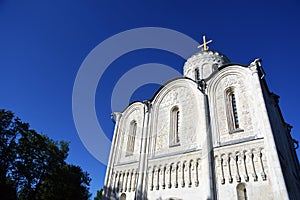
column 43, row 44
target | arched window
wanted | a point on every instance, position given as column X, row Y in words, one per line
column 197, row 74
column 174, row 126
column 232, row 111
column 131, row 138
column 241, row 192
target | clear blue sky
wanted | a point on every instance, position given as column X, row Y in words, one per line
column 43, row 43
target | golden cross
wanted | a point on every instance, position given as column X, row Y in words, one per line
column 204, row 45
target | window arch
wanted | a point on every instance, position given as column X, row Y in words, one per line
column 231, row 109
column 241, row 191
column 174, row 126
column 131, row 138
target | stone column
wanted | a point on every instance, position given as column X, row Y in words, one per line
column 156, row 178
column 250, row 164
column 163, row 177
column 120, row 182
column 237, row 167
column 207, row 150
column 190, row 173
column 263, row 173
column 130, row 182
column 229, row 168
column 258, row 163
column 150, row 180
column 196, row 173
column 173, row 175
column 244, row 165
column 112, row 181
column 127, row 182
column 176, row 175
column 107, row 182
column 115, row 182
column 183, row 166
column 219, row 169
column 134, row 180
column 123, row 182
column 141, row 188
column 169, row 175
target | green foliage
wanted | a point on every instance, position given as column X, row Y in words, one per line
column 32, row 166
column 66, row 182
column 99, row 195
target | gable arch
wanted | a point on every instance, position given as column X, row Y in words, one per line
column 130, row 125
column 184, row 95
column 230, row 103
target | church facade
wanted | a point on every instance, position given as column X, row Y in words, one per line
column 215, row 133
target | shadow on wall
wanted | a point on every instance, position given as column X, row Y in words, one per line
column 117, row 194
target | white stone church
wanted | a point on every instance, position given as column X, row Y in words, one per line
column 215, row 133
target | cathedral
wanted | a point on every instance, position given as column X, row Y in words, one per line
column 217, row 132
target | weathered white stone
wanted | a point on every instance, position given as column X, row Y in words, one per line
column 215, row 157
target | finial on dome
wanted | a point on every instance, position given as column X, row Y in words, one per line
column 204, row 45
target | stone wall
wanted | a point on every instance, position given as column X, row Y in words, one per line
column 184, row 94
column 244, row 163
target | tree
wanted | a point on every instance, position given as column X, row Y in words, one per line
column 9, row 131
column 66, row 182
column 32, row 165
column 99, row 195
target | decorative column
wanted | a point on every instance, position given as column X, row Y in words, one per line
column 151, row 177
column 169, row 175
column 244, row 163
column 130, row 182
column 123, row 182
column 249, row 156
column 112, row 181
column 259, row 164
column 164, row 177
column 183, row 173
column 156, row 178
column 120, row 181
column 190, row 173
column 207, row 149
column 134, row 180
column 237, row 166
column 176, row 175
column 115, row 182
column 229, row 169
column 263, row 173
column 107, row 190
column 196, row 173
column 127, row 182
column 141, row 188
column 222, row 171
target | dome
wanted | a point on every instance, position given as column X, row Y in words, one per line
column 202, row 64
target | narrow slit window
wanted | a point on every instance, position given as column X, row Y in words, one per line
column 245, row 194
column 131, row 138
column 174, row 126
column 197, row 74
column 241, row 192
column 234, row 111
